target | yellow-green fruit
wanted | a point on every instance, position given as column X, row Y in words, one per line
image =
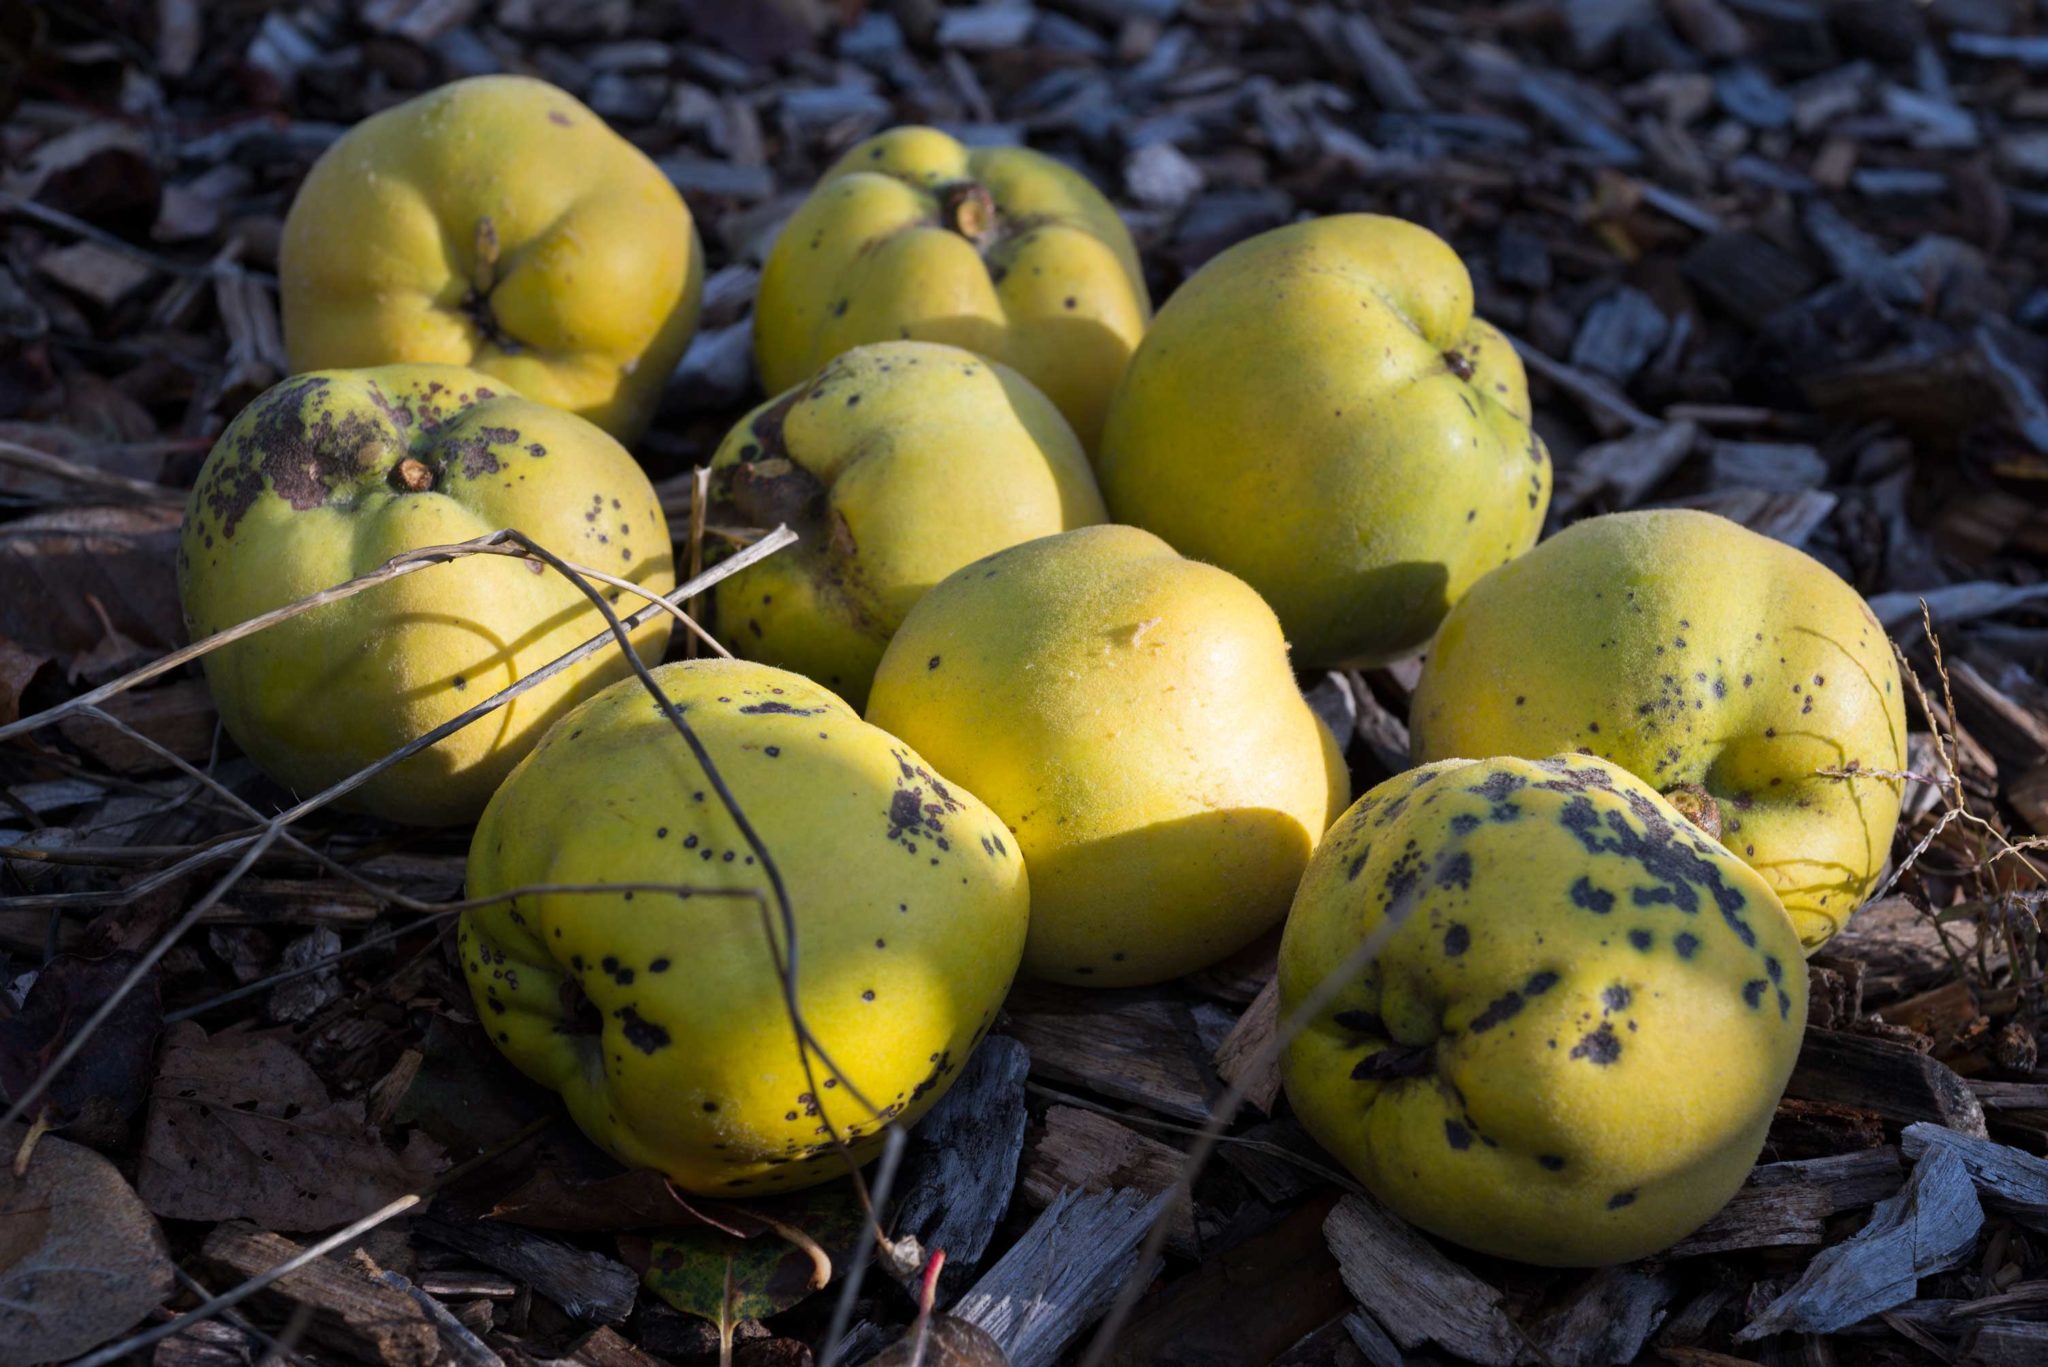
column 1562, row 1015
column 1131, row 716
column 1318, row 412
column 999, row 250
column 898, row 463
column 495, row 223
column 659, row 1015
column 1723, row 668
column 325, row 477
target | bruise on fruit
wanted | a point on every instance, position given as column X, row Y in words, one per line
column 304, row 461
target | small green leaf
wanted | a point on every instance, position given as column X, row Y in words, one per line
column 687, row 1267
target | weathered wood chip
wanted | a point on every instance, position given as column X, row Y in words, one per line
column 1062, row 1274
column 1929, row 1227
column 1408, row 1286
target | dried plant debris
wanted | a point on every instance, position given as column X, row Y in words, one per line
column 240, row 1126
column 1779, row 259
column 81, row 1259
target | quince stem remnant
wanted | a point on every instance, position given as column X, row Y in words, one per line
column 970, row 210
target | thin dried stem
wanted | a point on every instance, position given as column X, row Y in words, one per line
column 121, row 488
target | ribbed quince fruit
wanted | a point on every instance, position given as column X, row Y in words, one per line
column 496, row 223
column 326, row 476
column 1562, row 1017
column 1727, row 670
column 1318, row 412
column 898, row 463
column 1000, row 250
column 660, row 1015
column 1132, row 718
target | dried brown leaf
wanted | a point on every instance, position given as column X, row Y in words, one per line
column 81, row 578
column 91, row 1099
column 241, row 1127
column 80, row 1258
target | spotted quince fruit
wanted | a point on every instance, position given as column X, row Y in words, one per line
column 496, row 223
column 1738, row 676
column 657, row 1009
column 1000, row 250
column 327, row 476
column 1132, row 718
column 1318, row 412
column 1558, row 1016
column 898, row 463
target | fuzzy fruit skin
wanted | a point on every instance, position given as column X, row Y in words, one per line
column 1691, row 651
column 910, row 460
column 1053, row 289
column 1580, row 1019
column 598, row 275
column 304, row 491
column 909, row 906
column 1296, row 415
column 1131, row 716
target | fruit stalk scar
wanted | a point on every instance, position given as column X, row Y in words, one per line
column 484, row 273
column 970, row 210
column 1696, row 805
column 413, row 476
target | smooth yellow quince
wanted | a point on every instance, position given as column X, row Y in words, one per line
column 898, row 463
column 1731, row 672
column 1132, row 718
column 496, row 223
column 1000, row 250
column 1318, row 412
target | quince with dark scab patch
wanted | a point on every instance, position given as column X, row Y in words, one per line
column 899, row 463
column 1578, row 1022
column 1318, row 411
column 325, row 477
column 496, row 223
column 1001, row 250
column 659, row 1015
column 1722, row 667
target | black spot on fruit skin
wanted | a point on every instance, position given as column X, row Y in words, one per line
column 1455, row 871
column 1457, row 939
column 1600, row 1046
column 1680, row 872
column 1395, row 1062
column 780, row 709
column 1621, row 1199
column 1362, row 1022
column 1753, row 992
column 1686, row 943
column 1500, row 1010
column 1550, row 1162
column 1597, row 900
column 1616, row 997
column 1456, row 1135
column 641, row 1033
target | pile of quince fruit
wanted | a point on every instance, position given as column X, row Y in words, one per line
column 1023, row 694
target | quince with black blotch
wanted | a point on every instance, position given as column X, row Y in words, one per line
column 898, row 463
column 658, row 1011
column 1001, row 250
column 1738, row 676
column 1562, row 1015
column 325, row 477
